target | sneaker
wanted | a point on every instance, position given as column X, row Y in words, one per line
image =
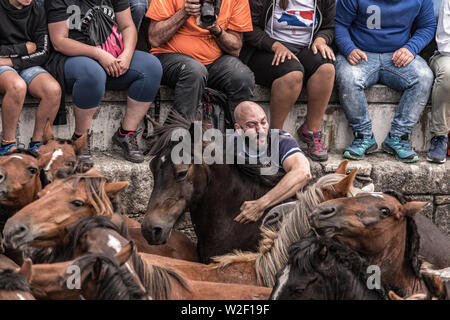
column 400, row 147
column 85, row 160
column 33, row 146
column 129, row 145
column 361, row 145
column 314, row 140
column 438, row 149
column 4, row 149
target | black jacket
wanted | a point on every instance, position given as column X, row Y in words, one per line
column 19, row 26
column 262, row 11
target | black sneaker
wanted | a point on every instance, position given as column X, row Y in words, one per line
column 129, row 145
column 85, row 160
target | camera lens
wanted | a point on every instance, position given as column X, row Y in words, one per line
column 208, row 13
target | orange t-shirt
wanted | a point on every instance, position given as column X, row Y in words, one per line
column 194, row 41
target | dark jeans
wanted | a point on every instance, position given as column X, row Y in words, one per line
column 189, row 78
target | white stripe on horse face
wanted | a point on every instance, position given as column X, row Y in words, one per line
column 282, row 281
column 57, row 153
column 17, row 157
column 114, row 243
column 21, row 297
column 377, row 194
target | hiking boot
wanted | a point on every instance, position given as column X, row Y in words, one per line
column 438, row 149
column 361, row 145
column 33, row 146
column 84, row 159
column 314, row 140
column 400, row 148
column 129, row 145
column 4, row 149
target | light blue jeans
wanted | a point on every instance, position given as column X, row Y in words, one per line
column 415, row 80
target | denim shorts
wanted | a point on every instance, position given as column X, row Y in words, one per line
column 26, row 74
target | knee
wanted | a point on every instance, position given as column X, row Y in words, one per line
column 193, row 71
column 242, row 78
column 150, row 66
column 51, row 92
column 325, row 72
column 442, row 80
column 292, row 80
column 348, row 78
column 17, row 88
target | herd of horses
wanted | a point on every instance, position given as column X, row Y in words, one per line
column 56, row 217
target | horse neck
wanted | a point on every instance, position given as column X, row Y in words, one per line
column 273, row 253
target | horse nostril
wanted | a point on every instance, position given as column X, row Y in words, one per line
column 157, row 231
column 2, row 177
column 16, row 234
column 327, row 212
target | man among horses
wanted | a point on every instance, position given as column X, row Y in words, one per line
column 251, row 120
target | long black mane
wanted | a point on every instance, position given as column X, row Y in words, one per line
column 304, row 258
column 117, row 282
column 13, row 281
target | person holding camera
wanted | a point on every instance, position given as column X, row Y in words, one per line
column 198, row 44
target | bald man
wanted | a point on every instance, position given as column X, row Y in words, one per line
column 252, row 119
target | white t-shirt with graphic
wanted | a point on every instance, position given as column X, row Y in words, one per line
column 293, row 25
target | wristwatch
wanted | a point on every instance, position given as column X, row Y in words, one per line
column 217, row 35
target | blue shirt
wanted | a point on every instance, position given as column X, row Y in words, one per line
column 382, row 26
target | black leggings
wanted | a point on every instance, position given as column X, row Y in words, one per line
column 266, row 73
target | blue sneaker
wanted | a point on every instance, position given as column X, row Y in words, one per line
column 438, row 149
column 33, row 146
column 400, row 148
column 4, row 149
column 361, row 145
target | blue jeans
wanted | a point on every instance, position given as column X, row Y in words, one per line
column 138, row 10
column 87, row 79
column 26, row 74
column 415, row 80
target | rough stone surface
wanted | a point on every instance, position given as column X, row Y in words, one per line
column 442, row 199
column 443, row 218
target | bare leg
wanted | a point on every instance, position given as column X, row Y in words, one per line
column 284, row 93
column 15, row 90
column 319, row 88
column 46, row 88
column 83, row 119
column 134, row 114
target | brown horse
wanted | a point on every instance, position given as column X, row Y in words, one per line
column 64, row 153
column 19, row 181
column 381, row 228
column 65, row 201
column 213, row 194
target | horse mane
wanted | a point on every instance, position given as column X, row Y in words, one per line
column 13, row 281
column 23, row 151
column 272, row 252
column 304, row 257
column 115, row 278
column 155, row 279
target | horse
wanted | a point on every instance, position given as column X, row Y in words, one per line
column 19, row 181
column 64, row 153
column 379, row 226
column 65, row 201
column 325, row 269
column 101, row 278
column 212, row 193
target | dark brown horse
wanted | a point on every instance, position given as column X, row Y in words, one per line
column 382, row 229
column 325, row 269
column 213, row 194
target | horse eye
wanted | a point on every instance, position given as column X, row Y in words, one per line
column 32, row 170
column 385, row 212
column 70, row 164
column 78, row 203
column 181, row 175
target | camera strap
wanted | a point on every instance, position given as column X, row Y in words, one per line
column 218, row 4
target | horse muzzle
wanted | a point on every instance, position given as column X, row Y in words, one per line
column 16, row 235
column 155, row 235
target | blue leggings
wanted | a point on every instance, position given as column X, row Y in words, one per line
column 87, row 79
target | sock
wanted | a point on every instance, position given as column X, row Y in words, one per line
column 124, row 132
column 33, row 143
column 7, row 143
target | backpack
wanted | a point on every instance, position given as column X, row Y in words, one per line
column 215, row 109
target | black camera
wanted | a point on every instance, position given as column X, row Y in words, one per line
column 208, row 12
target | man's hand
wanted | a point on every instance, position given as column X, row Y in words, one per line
column 109, row 63
column 402, row 57
column 192, row 8
column 124, row 61
column 356, row 56
column 320, row 45
column 281, row 53
column 31, row 47
column 251, row 211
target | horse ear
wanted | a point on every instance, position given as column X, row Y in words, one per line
column 44, row 159
column 323, row 252
column 412, row 208
column 80, row 144
column 340, row 189
column 125, row 254
column 26, row 270
column 113, row 188
column 394, row 296
column 48, row 133
column 342, row 168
